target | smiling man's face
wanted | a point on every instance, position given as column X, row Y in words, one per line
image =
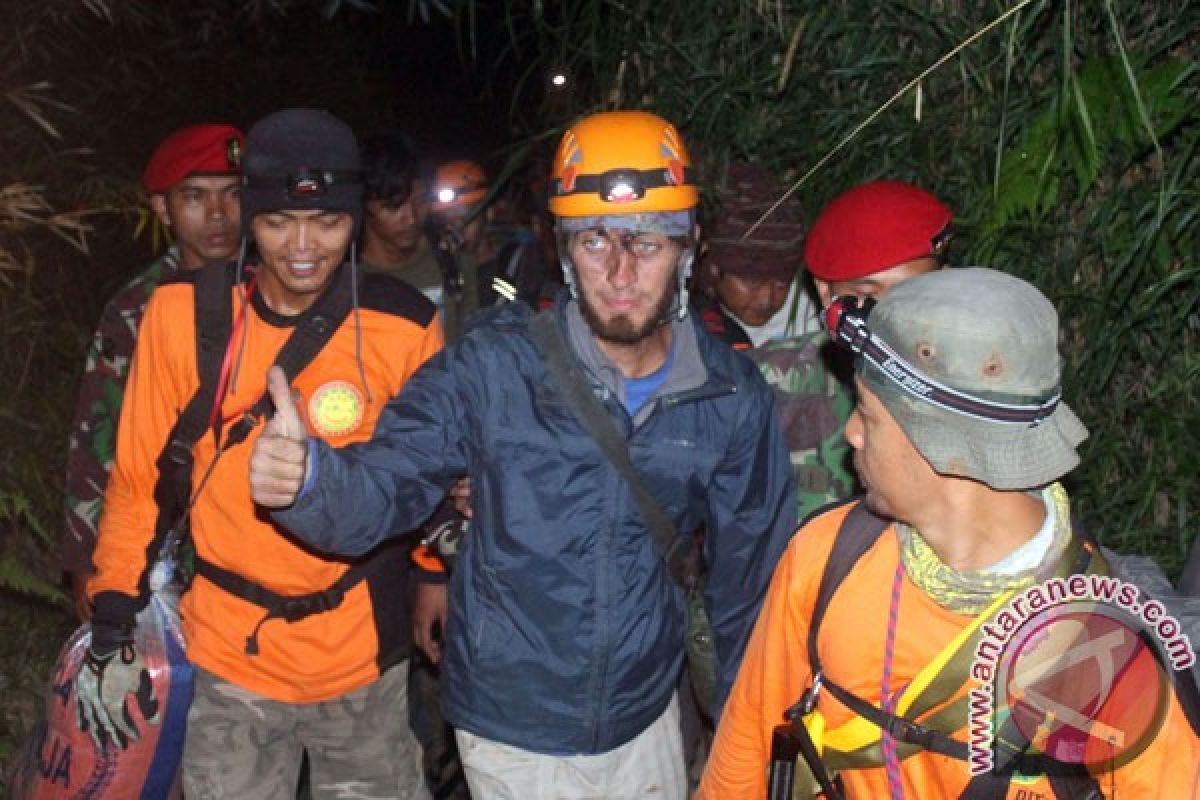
column 300, row 251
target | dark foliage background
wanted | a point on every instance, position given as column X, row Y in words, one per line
column 1066, row 136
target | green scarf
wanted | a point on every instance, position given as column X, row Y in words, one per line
column 970, row 592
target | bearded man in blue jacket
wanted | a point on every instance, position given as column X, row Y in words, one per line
column 565, row 636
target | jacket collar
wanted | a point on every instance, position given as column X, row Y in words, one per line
column 697, row 370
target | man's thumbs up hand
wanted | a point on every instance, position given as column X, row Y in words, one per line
column 286, row 422
column 280, row 456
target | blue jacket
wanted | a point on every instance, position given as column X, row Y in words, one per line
column 566, row 631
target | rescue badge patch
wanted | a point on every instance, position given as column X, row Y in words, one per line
column 336, row 409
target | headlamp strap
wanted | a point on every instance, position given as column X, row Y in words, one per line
column 622, row 185
column 304, row 182
column 846, row 321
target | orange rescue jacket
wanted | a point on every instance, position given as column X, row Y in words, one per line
column 775, row 672
column 324, row 655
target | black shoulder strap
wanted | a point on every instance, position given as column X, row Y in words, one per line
column 1188, row 693
column 858, row 533
column 213, row 321
column 312, row 332
column 599, row 424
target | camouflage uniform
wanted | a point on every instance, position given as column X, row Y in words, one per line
column 94, row 431
column 239, row 743
column 813, row 406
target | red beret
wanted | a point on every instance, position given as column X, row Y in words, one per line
column 874, row 227
column 203, row 149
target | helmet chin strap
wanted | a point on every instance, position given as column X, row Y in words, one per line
column 568, row 270
column 683, row 272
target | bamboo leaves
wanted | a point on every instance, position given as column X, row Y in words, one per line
column 1065, row 134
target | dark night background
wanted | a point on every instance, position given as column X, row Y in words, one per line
column 375, row 70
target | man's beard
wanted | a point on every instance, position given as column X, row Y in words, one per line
column 621, row 329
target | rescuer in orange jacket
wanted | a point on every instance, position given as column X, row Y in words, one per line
column 295, row 651
column 972, row 645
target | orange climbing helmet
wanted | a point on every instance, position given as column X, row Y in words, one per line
column 621, row 162
column 457, row 185
column 625, row 169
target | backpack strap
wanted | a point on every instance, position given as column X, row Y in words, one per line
column 384, row 563
column 313, row 331
column 213, row 324
column 858, row 533
column 599, row 425
column 213, row 319
column 1184, row 681
column 172, row 491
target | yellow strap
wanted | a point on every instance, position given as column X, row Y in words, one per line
column 858, row 732
column 815, row 723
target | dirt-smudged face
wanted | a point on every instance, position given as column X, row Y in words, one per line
column 626, row 281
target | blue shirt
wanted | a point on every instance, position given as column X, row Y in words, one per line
column 638, row 390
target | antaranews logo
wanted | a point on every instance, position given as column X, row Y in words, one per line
column 1075, row 669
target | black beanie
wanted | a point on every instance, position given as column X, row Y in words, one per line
column 301, row 159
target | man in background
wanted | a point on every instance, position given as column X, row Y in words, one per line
column 867, row 240
column 194, row 182
column 457, row 226
column 396, row 194
column 752, row 266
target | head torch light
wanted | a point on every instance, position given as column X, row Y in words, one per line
column 448, row 194
column 303, row 184
column 622, row 185
column 846, row 321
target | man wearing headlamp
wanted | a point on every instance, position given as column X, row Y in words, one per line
column 960, row 438
column 295, row 653
column 867, row 240
column 564, row 642
column 456, row 226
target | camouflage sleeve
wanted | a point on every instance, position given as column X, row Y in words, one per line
column 813, row 406
column 93, row 432
column 832, row 457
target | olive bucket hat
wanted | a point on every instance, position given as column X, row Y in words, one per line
column 966, row 360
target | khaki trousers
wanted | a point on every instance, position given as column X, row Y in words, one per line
column 649, row 766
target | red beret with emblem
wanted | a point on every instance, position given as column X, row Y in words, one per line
column 874, row 227
column 195, row 150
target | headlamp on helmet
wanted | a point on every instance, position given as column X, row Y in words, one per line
column 458, row 185
column 617, row 165
column 619, row 186
column 621, row 162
